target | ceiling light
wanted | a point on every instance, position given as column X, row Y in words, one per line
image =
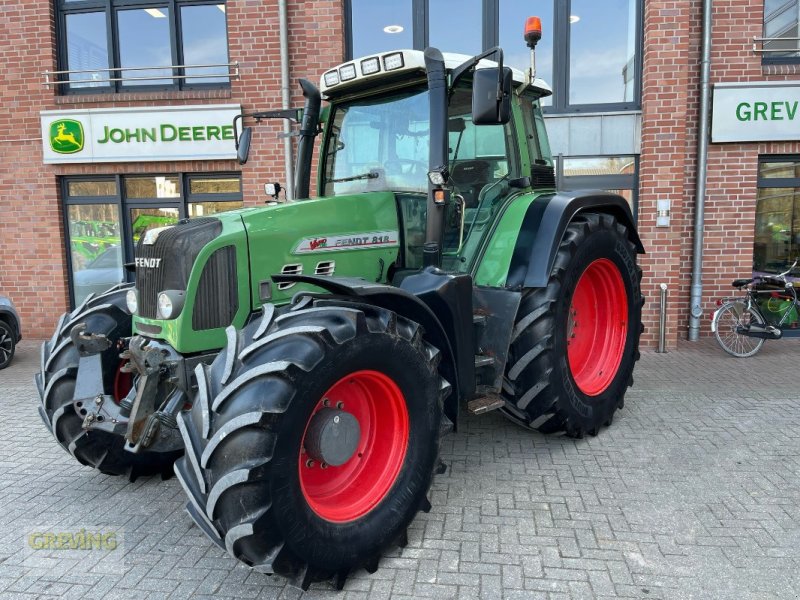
column 154, row 12
column 574, row 19
column 393, row 28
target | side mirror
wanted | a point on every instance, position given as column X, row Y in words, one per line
column 243, row 149
column 487, row 109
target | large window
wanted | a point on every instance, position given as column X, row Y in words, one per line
column 106, row 216
column 781, row 18
column 777, row 231
column 617, row 174
column 590, row 51
column 119, row 45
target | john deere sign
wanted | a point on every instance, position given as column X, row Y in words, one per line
column 66, row 136
column 756, row 112
column 139, row 134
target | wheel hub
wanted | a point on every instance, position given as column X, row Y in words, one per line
column 342, row 483
column 332, row 437
column 597, row 327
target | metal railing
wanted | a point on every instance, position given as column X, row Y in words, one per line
column 767, row 40
column 63, row 77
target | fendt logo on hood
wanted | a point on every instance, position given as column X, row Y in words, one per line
column 66, row 136
column 150, row 263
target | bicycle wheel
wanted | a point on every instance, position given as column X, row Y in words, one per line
column 728, row 318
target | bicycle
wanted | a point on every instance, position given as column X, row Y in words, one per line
column 768, row 311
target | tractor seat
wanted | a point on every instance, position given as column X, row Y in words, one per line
column 739, row 283
column 469, row 177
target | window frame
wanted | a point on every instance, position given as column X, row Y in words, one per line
column 768, row 58
column 774, row 182
column 124, row 204
column 111, row 8
column 561, row 45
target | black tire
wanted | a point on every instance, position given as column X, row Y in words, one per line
column 8, row 344
column 539, row 382
column 245, row 431
column 104, row 451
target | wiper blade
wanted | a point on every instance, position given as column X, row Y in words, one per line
column 370, row 175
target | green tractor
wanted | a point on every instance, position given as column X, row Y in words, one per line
column 306, row 357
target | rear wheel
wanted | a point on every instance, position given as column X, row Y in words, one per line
column 313, row 440
column 8, row 343
column 105, row 314
column 575, row 342
column 727, row 320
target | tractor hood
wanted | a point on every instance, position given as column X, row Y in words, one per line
column 350, row 236
column 218, row 269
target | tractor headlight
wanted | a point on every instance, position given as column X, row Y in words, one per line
column 170, row 303
column 132, row 300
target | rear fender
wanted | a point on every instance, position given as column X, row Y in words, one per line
column 543, row 228
column 440, row 302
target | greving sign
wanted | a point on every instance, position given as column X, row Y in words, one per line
column 756, row 112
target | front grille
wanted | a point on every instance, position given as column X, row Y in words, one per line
column 217, row 297
column 543, row 176
column 166, row 264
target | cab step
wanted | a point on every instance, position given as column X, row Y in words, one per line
column 486, row 401
column 481, row 360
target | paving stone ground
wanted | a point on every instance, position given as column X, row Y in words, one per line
column 694, row 492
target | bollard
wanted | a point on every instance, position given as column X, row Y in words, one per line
column 662, row 320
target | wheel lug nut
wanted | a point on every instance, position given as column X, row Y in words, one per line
column 326, row 402
column 324, row 465
column 340, row 405
column 310, row 463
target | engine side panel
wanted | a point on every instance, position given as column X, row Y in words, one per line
column 346, row 236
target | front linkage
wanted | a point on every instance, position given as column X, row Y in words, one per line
column 147, row 416
column 87, row 402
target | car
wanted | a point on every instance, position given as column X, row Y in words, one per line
column 10, row 331
column 102, row 273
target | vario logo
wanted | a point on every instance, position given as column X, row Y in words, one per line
column 66, row 136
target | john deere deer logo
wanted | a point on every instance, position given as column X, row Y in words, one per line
column 66, row 136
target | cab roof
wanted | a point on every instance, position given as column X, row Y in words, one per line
column 371, row 69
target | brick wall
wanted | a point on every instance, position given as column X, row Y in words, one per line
column 670, row 98
column 662, row 164
column 32, row 257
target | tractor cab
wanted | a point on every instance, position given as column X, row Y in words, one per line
column 378, row 138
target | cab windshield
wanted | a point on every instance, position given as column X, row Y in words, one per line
column 379, row 144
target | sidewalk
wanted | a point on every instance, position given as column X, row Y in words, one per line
column 693, row 492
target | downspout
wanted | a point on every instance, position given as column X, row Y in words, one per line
column 696, row 299
column 286, row 98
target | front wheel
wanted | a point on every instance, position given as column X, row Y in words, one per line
column 727, row 320
column 575, row 342
column 105, row 314
column 8, row 343
column 313, row 439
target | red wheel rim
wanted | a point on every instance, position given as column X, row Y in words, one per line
column 597, row 325
column 123, row 382
column 348, row 492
